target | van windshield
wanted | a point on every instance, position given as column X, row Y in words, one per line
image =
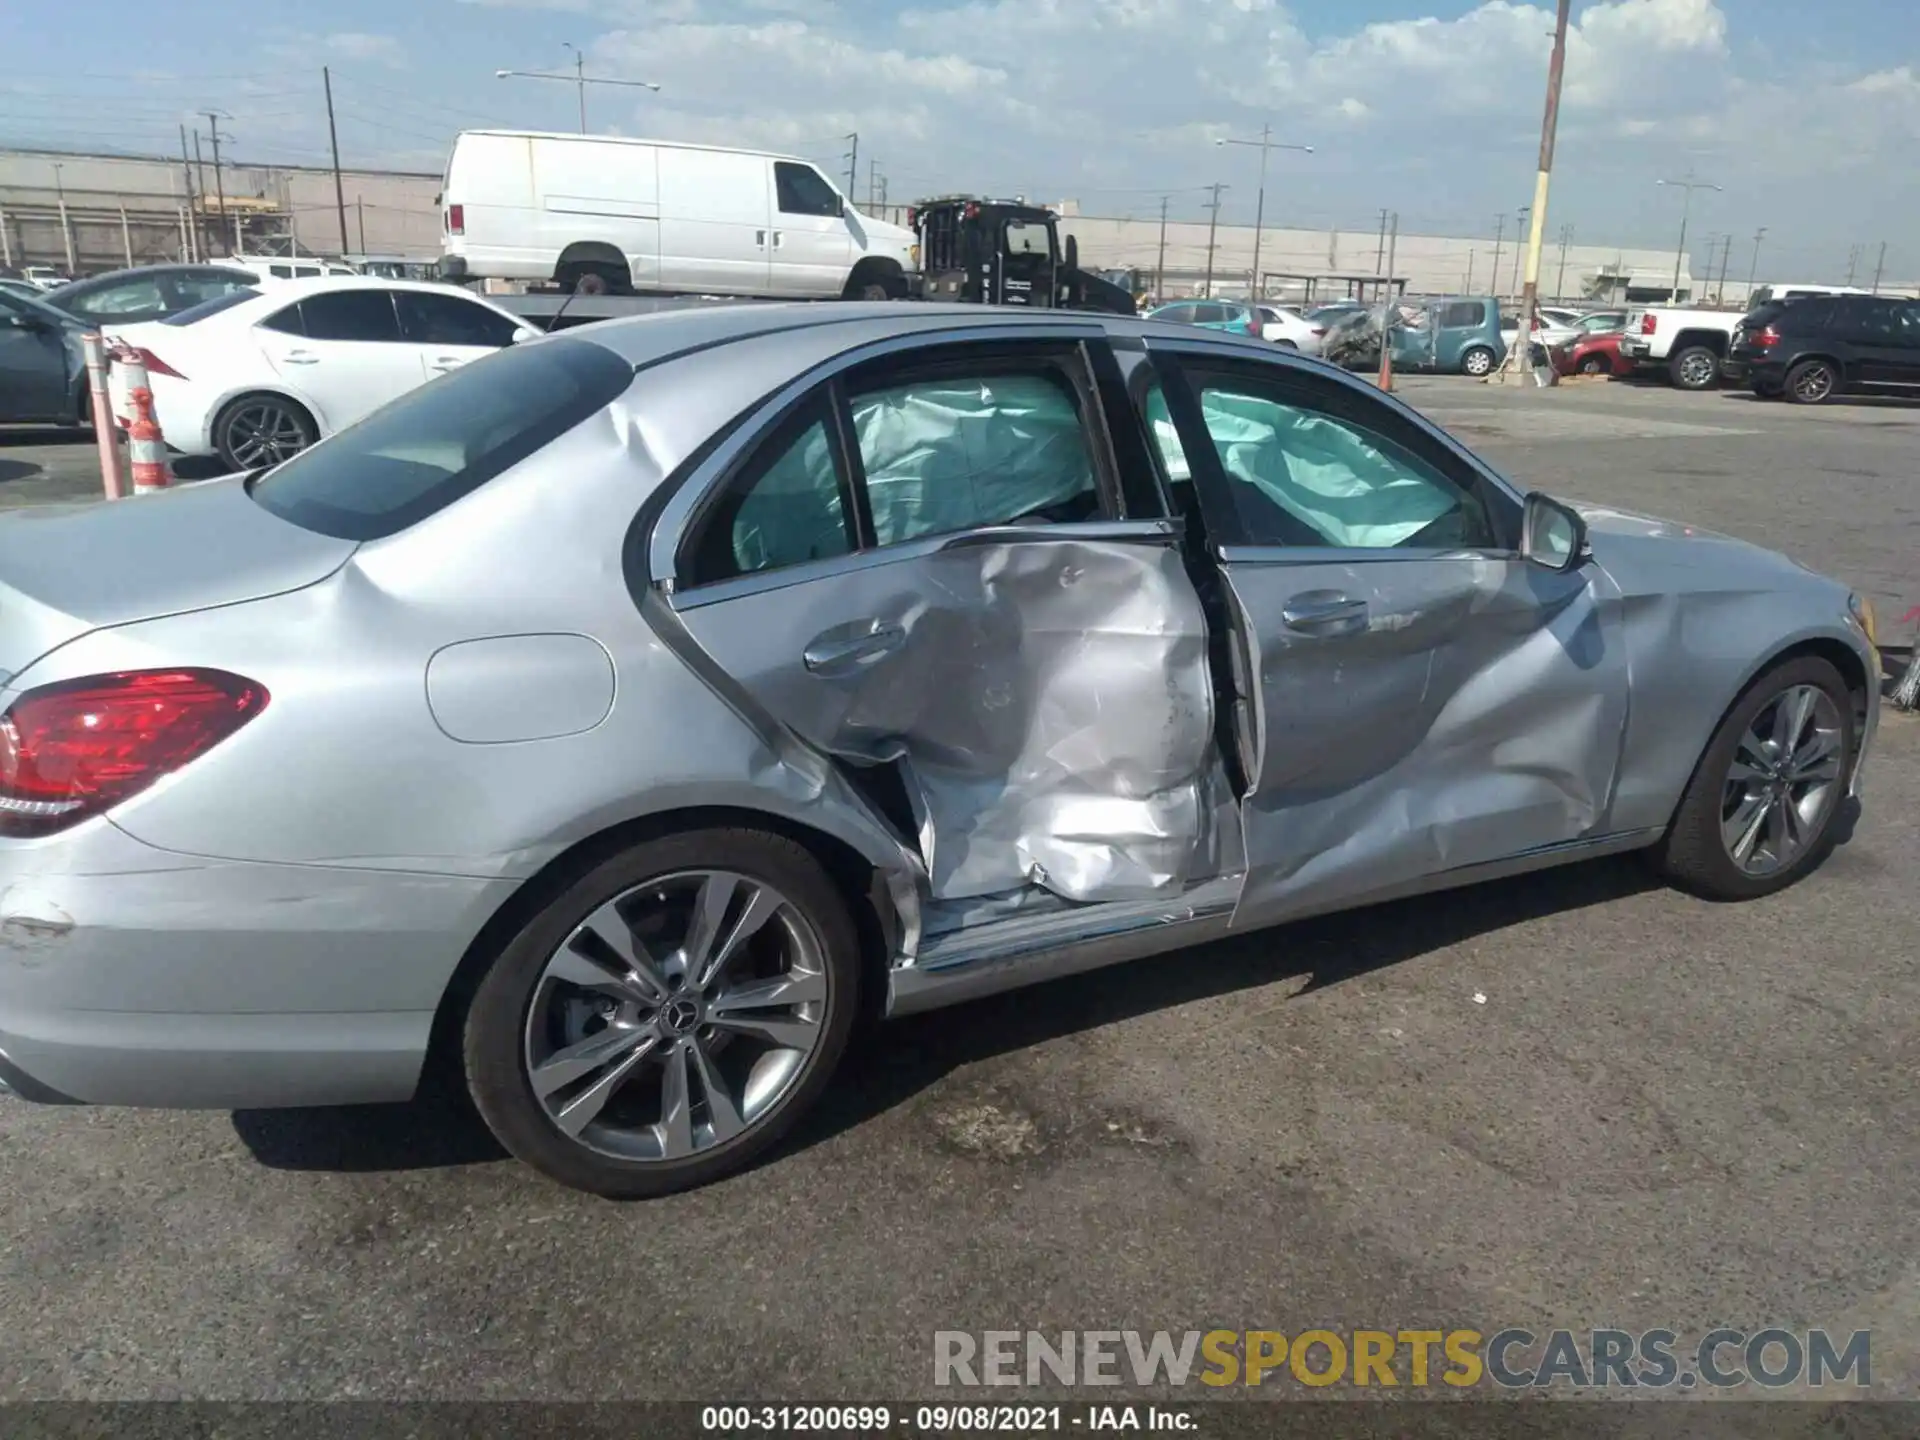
column 420, row 453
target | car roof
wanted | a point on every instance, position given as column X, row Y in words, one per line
column 647, row 339
column 134, row 272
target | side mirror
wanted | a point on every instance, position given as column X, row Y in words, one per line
column 840, row 206
column 525, row 332
column 1073, row 252
column 1552, row 534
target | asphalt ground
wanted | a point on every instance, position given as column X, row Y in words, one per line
column 1574, row 1100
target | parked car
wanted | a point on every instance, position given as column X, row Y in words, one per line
column 1592, row 355
column 600, row 214
column 148, row 292
column 1555, row 331
column 291, row 267
column 257, row 376
column 1797, row 290
column 43, row 372
column 1818, row 349
column 46, row 277
column 1450, row 334
column 632, row 709
column 1289, row 329
column 1235, row 317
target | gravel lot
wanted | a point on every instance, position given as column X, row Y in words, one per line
column 1665, row 1113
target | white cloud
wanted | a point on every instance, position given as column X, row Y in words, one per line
column 359, row 45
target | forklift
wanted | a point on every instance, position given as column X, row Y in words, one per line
column 1005, row 252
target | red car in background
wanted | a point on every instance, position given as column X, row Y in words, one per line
column 1592, row 355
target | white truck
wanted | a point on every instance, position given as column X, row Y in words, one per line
column 600, row 215
column 1690, row 342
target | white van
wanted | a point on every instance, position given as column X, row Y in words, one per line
column 602, row 215
column 1797, row 292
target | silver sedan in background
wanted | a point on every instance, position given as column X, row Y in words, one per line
column 617, row 719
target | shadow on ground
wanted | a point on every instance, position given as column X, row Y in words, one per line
column 898, row 1061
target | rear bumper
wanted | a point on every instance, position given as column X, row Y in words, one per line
column 453, row 267
column 134, row 976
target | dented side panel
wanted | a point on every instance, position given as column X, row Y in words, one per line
column 1045, row 695
column 1479, row 713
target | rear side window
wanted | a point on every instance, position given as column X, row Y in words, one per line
column 430, row 319
column 1804, row 317
column 351, row 315
column 1463, row 315
column 433, row 445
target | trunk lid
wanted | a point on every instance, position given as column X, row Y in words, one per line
column 68, row 569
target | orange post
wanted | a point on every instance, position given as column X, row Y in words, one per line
column 105, row 430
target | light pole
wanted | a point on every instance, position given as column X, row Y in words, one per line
column 1680, row 255
column 579, row 79
column 1519, row 225
column 1754, row 273
column 1265, row 144
column 66, row 230
column 1213, row 224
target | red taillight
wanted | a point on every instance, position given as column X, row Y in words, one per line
column 1649, row 323
column 155, row 365
column 1767, row 338
column 1253, row 324
column 912, row 216
column 72, row 750
column 456, row 219
column 1319, row 329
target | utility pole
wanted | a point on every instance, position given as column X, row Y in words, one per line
column 1380, row 255
column 1160, row 265
column 200, row 168
column 1499, row 234
column 333, row 137
column 1560, row 285
column 1467, row 288
column 186, row 171
column 579, row 80
column 1880, row 267
column 1726, row 259
column 219, row 185
column 360, row 214
column 1689, row 185
column 1266, row 145
column 1388, row 306
column 1518, row 225
column 1213, row 225
column 873, row 181
column 66, row 230
column 1853, row 262
column 853, row 161
column 1522, row 355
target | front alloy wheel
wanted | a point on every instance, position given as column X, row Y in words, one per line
column 1784, row 778
column 1477, row 361
column 668, row 1016
column 261, row 430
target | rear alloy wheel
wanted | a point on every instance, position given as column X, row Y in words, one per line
column 1760, row 809
column 1695, row 368
column 257, row 431
column 1477, row 362
column 1813, row 382
column 669, row 1016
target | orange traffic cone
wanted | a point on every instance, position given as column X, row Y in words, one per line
column 146, row 445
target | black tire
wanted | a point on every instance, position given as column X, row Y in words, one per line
column 1762, row 391
column 1594, row 365
column 233, row 450
column 1694, row 368
column 1692, row 854
column 1477, row 361
column 596, row 278
column 493, row 1030
column 1813, row 382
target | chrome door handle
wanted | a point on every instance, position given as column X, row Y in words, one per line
column 760, row 238
column 833, row 653
column 1325, row 612
column 447, row 362
column 300, row 357
column 778, row 238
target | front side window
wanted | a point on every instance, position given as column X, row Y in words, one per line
column 946, row 454
column 425, row 450
column 803, row 190
column 196, row 289
column 1463, row 315
column 1301, row 476
column 364, row 315
column 430, row 319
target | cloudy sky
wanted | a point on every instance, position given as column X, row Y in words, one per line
column 1809, row 117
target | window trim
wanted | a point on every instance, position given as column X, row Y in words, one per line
column 1176, row 362
column 663, row 525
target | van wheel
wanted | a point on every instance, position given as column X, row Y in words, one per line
column 1478, row 361
column 594, row 279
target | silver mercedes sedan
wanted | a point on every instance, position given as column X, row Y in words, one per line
column 617, row 720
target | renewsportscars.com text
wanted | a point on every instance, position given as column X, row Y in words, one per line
column 1512, row 1358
